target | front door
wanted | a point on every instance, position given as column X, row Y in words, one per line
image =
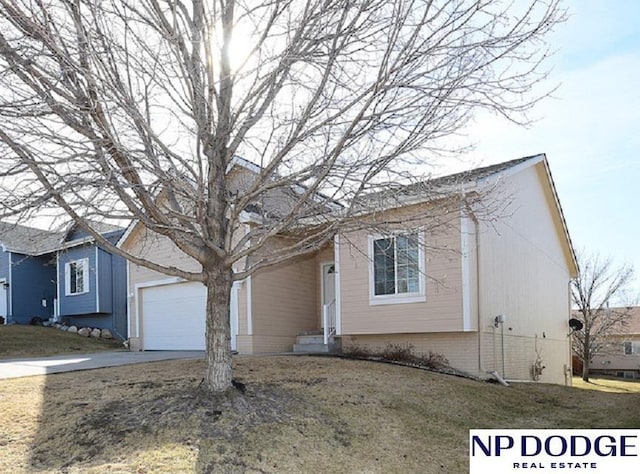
column 328, row 285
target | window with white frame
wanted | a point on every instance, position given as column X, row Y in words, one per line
column 397, row 268
column 77, row 277
column 632, row 347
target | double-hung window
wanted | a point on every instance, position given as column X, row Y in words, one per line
column 77, row 277
column 631, row 347
column 397, row 268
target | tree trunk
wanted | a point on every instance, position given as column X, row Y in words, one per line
column 218, row 358
column 585, row 359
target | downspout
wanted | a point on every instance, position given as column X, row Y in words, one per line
column 481, row 369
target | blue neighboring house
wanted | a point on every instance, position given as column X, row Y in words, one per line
column 63, row 276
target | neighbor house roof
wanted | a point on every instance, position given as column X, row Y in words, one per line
column 633, row 321
column 28, row 240
column 99, row 227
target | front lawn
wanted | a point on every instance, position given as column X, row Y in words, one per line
column 18, row 341
column 608, row 384
column 299, row 414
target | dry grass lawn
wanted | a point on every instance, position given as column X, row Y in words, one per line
column 34, row 341
column 608, row 384
column 299, row 414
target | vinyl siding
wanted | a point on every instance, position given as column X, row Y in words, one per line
column 442, row 310
column 520, row 268
column 4, row 265
column 163, row 251
column 32, row 281
column 460, row 349
column 85, row 303
column 105, row 281
column 524, row 275
column 158, row 249
column 285, row 303
column 615, row 358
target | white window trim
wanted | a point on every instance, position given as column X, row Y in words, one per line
column 402, row 298
column 85, row 276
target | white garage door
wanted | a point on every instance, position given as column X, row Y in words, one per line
column 173, row 316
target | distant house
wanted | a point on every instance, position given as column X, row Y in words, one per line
column 488, row 295
column 27, row 273
column 62, row 275
column 622, row 356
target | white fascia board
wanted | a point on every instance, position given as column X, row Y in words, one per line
column 250, row 218
column 243, row 163
column 125, row 236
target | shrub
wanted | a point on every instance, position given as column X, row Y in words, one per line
column 402, row 354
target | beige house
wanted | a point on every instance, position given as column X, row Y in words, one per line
column 622, row 356
column 490, row 293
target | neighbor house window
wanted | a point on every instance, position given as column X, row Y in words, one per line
column 77, row 277
column 397, row 273
column 632, row 347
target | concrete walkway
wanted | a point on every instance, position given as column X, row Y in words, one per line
column 13, row 368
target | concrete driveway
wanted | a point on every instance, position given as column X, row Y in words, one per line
column 13, row 368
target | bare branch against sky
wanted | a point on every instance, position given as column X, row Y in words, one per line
column 599, row 286
column 123, row 110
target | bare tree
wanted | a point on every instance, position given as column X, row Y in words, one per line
column 135, row 109
column 598, row 285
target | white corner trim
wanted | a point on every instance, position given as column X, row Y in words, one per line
column 336, row 262
column 125, row 235
column 10, row 292
column 129, row 297
column 249, row 308
column 465, row 260
column 97, row 272
column 58, row 283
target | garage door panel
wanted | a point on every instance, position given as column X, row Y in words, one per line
column 174, row 317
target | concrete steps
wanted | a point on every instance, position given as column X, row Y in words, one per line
column 312, row 342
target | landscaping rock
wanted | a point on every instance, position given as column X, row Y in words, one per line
column 72, row 329
column 96, row 333
column 84, row 332
column 63, row 328
column 106, row 334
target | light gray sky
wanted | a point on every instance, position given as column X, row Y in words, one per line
column 590, row 131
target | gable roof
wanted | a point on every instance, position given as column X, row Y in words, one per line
column 75, row 233
column 296, row 188
column 28, row 240
column 470, row 180
column 32, row 241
